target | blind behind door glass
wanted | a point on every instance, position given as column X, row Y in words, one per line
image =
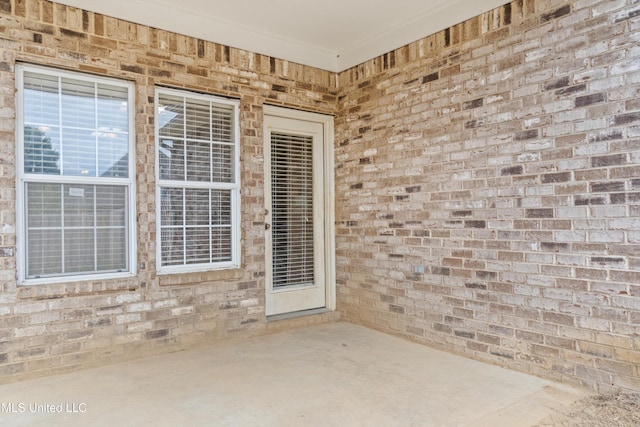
column 292, row 209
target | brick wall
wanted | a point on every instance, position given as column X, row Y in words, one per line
column 53, row 328
column 488, row 190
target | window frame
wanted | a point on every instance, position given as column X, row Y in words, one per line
column 22, row 179
column 234, row 187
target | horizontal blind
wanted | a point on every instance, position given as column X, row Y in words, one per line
column 195, row 226
column 292, row 209
column 75, row 127
column 197, row 164
column 73, row 229
column 196, row 140
column 75, row 174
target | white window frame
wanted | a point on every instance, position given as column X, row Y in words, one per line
column 24, row 178
column 233, row 187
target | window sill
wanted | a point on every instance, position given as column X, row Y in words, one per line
column 73, row 279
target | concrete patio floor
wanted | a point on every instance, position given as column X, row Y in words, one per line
column 335, row 374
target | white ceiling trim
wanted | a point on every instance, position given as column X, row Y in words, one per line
column 172, row 17
column 444, row 16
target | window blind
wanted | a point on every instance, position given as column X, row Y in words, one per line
column 76, row 183
column 292, row 209
column 197, row 170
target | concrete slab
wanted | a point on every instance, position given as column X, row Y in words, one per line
column 335, row 374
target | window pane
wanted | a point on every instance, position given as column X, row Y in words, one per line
column 205, row 242
column 43, row 205
column 76, row 127
column 198, row 161
column 111, row 206
column 197, row 245
column 221, row 244
column 223, row 163
column 222, row 123
column 113, row 155
column 44, row 252
column 171, row 116
column 78, row 205
column 75, row 109
column 113, row 108
column 44, row 220
column 79, row 251
column 172, row 204
column 78, row 104
column 197, row 207
column 171, row 159
column 41, row 99
column 41, row 150
column 79, row 152
column 196, row 143
column 112, row 249
column 172, row 246
column 198, row 119
column 221, row 207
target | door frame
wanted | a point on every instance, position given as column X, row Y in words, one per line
column 328, row 191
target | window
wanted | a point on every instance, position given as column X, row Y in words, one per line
column 198, row 182
column 75, row 176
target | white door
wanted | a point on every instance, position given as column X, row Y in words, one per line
column 296, row 275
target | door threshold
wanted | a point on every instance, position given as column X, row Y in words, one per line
column 301, row 319
column 296, row 314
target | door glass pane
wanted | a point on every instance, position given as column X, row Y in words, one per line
column 292, row 209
